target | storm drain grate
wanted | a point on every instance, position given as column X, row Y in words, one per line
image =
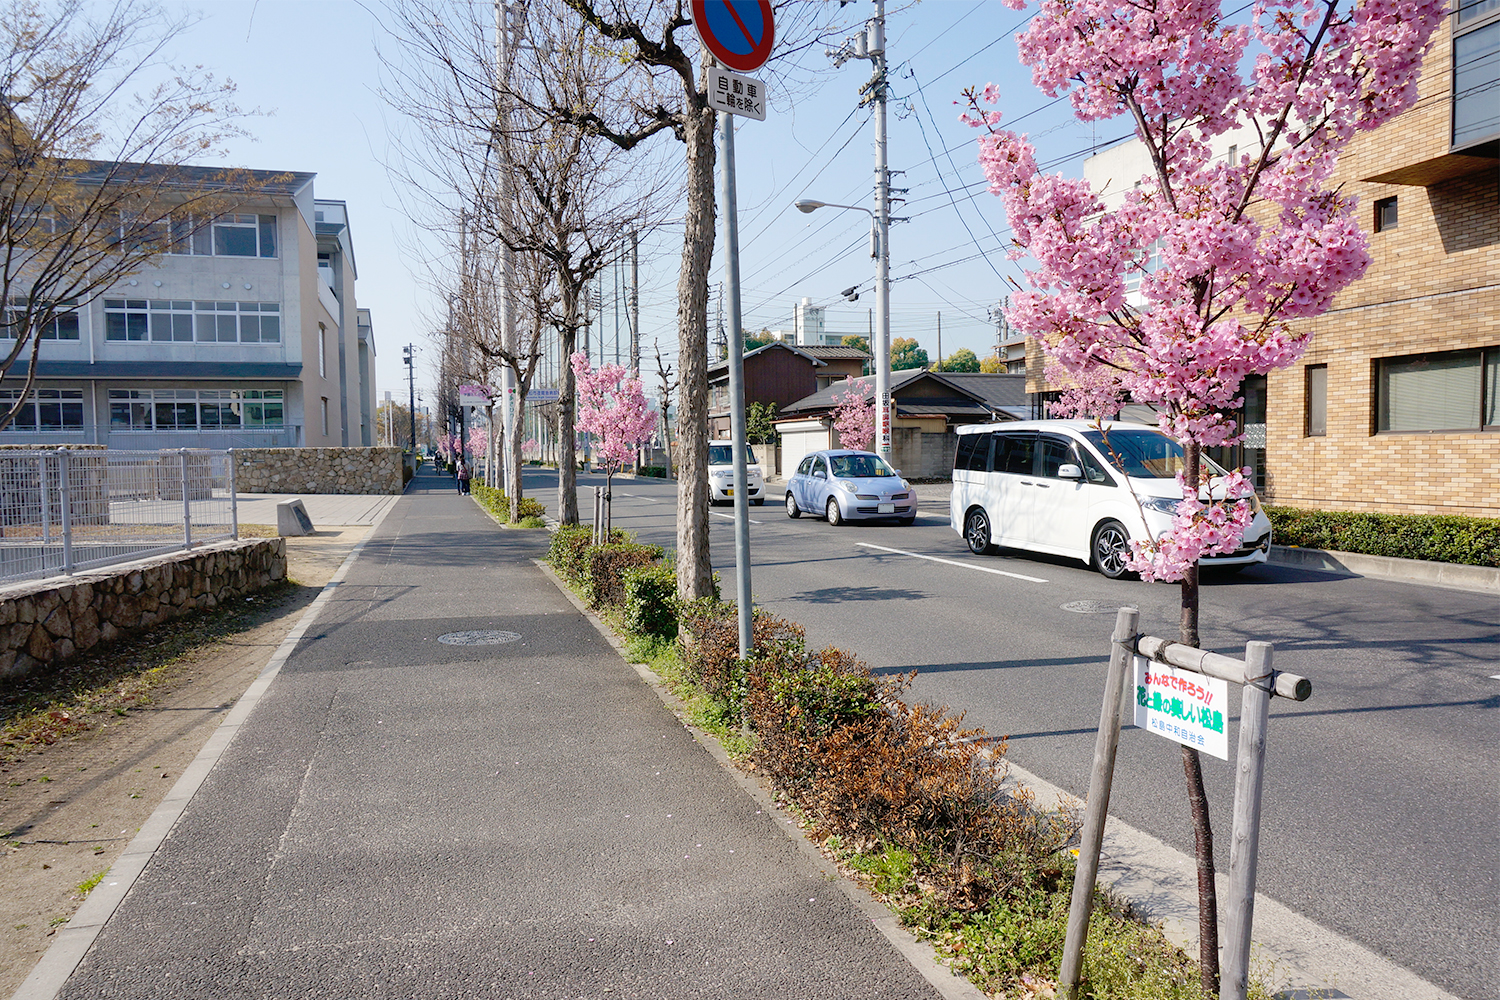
column 478, row 637
column 1090, row 607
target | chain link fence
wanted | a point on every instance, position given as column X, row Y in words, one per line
column 72, row 509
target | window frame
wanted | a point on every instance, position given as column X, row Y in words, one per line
column 1311, row 418
column 1488, row 365
column 1391, row 203
column 64, row 398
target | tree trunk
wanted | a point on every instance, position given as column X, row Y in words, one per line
column 513, row 436
column 567, row 456
column 1192, row 769
column 694, row 569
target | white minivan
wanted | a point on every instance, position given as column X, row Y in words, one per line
column 1067, row 488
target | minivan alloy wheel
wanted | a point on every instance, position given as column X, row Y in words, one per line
column 977, row 532
column 1111, row 548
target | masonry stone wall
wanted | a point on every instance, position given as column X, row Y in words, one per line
column 318, row 470
column 47, row 622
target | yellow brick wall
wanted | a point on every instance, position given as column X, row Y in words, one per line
column 1434, row 285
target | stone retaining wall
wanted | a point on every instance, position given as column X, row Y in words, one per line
column 318, row 470
column 47, row 622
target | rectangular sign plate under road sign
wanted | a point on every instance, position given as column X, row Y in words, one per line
column 736, row 94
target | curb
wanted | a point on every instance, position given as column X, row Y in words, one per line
column 921, row 956
column 74, row 939
column 1483, row 579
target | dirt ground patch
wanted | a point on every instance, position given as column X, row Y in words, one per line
column 68, row 808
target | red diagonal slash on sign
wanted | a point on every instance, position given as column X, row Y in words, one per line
column 736, row 15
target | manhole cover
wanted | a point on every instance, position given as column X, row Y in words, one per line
column 1090, row 607
column 478, row 637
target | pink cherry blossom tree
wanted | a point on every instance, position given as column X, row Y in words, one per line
column 854, row 416
column 1225, row 254
column 612, row 407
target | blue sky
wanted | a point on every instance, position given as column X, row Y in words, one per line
column 313, row 66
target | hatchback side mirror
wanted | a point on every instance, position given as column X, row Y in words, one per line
column 1069, row 471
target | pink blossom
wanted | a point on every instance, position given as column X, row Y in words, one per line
column 612, row 407
column 854, row 416
column 1176, row 296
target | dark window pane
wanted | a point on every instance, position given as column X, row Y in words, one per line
column 1438, row 392
column 165, row 416
column 228, row 332
column 72, row 414
column 234, row 241
column 205, row 325
column 965, row 450
column 1052, row 454
column 268, row 235
column 67, row 326
column 249, row 329
column 26, row 416
column 114, row 326
column 187, row 414
column 119, row 416
column 270, row 329
column 161, row 326
column 182, row 327
column 49, row 416
column 1317, row 400
column 1476, row 73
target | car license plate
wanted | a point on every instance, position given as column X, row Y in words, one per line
column 886, row 508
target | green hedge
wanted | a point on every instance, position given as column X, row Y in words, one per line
column 651, row 601
column 497, row 503
column 1469, row 541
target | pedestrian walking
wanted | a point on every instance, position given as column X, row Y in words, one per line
column 463, row 476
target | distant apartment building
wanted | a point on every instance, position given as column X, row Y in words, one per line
column 810, row 328
column 1396, row 404
column 245, row 334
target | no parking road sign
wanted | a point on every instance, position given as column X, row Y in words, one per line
column 739, row 33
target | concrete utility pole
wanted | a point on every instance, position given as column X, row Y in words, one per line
column 504, row 56
column 870, row 44
column 407, row 353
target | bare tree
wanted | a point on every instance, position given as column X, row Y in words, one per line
column 72, row 224
column 558, row 198
column 667, row 93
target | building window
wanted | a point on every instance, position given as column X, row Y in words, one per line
column 224, row 236
column 45, row 410
column 322, row 351
column 195, row 409
column 1452, row 391
column 1317, row 400
column 325, row 416
column 1385, row 214
column 169, row 320
column 61, row 327
column 1476, row 72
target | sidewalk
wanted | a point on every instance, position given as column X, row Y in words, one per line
column 404, row 816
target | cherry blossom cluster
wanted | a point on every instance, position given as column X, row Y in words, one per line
column 1199, row 529
column 479, row 442
column 1188, row 285
column 854, row 417
column 612, row 407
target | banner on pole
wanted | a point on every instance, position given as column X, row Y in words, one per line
column 1182, row 706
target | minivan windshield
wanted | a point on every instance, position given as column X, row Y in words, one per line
column 860, row 467
column 723, row 454
column 1143, row 453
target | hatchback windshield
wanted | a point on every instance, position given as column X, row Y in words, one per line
column 723, row 454
column 1144, row 453
column 860, row 467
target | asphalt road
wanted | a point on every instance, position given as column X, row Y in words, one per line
column 1381, row 794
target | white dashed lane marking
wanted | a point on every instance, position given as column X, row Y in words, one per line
column 950, row 562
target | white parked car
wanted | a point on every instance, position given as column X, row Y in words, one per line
column 1065, row 488
column 721, row 474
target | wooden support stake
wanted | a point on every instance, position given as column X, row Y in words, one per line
column 1121, row 650
column 1245, row 843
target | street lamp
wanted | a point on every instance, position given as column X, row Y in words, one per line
column 879, row 249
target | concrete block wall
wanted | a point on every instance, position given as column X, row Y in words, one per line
column 45, row 623
column 319, row 470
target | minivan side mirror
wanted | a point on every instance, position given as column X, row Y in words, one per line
column 1069, row 471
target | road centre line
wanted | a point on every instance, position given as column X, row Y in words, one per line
column 731, row 517
column 951, row 562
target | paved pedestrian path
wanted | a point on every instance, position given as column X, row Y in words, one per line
column 402, row 816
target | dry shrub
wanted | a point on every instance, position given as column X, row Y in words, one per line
column 874, row 770
column 708, row 636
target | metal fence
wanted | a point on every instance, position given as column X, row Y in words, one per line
column 73, row 509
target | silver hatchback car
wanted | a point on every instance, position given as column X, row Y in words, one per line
column 847, row 485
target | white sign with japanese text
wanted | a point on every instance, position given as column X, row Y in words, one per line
column 736, row 94
column 475, row 395
column 1182, row 706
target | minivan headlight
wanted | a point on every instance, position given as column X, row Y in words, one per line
column 1162, row 505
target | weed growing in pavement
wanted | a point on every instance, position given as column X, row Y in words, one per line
column 87, row 885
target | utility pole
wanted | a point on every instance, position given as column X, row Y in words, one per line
column 940, row 340
column 635, row 304
column 870, row 44
column 407, row 353
column 504, row 56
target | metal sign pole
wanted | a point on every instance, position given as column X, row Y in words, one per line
column 736, row 385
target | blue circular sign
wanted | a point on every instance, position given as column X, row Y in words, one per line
column 739, row 33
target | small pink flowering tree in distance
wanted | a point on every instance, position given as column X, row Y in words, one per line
column 612, row 407
column 479, row 441
column 854, row 416
column 1226, row 253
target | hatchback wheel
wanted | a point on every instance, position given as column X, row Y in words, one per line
column 835, row 516
column 977, row 532
column 1111, row 549
column 792, row 510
